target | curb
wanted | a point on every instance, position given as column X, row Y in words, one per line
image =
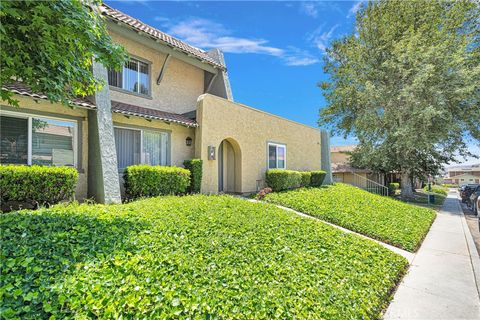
column 472, row 249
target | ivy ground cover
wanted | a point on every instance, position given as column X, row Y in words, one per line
column 388, row 220
column 197, row 257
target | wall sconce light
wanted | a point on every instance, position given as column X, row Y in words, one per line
column 211, row 153
column 188, row 141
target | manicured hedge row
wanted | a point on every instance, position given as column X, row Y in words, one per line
column 317, row 178
column 306, row 179
column 437, row 189
column 195, row 168
column 279, row 179
column 31, row 185
column 151, row 181
column 192, row 257
column 383, row 218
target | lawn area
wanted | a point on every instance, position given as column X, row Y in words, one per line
column 188, row 257
column 420, row 198
column 382, row 218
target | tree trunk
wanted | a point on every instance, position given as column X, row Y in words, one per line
column 406, row 185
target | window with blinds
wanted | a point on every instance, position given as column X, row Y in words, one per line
column 34, row 140
column 134, row 77
column 141, row 147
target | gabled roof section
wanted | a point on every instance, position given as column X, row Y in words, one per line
column 22, row 89
column 131, row 110
column 175, row 43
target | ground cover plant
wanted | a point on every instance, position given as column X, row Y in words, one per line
column 197, row 257
column 382, row 218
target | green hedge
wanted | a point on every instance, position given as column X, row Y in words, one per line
column 192, row 257
column 383, row 218
column 437, row 189
column 279, row 179
column 450, row 185
column 151, row 181
column 306, row 179
column 393, row 187
column 36, row 184
column 317, row 178
column 195, row 168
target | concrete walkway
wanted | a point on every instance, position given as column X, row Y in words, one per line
column 441, row 282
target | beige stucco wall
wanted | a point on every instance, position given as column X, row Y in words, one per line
column 179, row 89
column 179, row 150
column 249, row 131
column 339, row 157
column 44, row 108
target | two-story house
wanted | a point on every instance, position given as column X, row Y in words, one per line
column 461, row 175
column 171, row 102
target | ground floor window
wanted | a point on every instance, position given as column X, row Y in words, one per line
column 277, row 155
column 28, row 139
column 137, row 146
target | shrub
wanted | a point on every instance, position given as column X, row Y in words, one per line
column 195, row 168
column 279, row 179
column 382, row 218
column 306, row 178
column 393, row 187
column 317, row 178
column 192, row 257
column 262, row 193
column 27, row 185
column 450, row 185
column 151, row 181
column 437, row 189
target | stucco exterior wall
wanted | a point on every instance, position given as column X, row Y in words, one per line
column 45, row 108
column 340, row 157
column 179, row 151
column 249, row 131
column 179, row 89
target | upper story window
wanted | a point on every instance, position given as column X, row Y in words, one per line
column 277, row 155
column 135, row 77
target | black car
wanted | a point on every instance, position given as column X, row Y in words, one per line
column 467, row 192
column 473, row 200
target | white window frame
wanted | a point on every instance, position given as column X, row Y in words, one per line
column 29, row 117
column 122, row 88
column 142, row 154
column 277, row 145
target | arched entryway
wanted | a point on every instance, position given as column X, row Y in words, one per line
column 229, row 167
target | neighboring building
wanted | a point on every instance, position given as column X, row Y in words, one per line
column 342, row 171
column 171, row 102
column 462, row 175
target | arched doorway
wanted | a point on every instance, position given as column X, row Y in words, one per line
column 229, row 167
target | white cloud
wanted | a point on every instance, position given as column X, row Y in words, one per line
column 320, row 38
column 354, row 9
column 309, row 8
column 207, row 34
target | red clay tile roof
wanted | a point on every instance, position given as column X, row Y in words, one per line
column 21, row 89
column 128, row 109
column 138, row 25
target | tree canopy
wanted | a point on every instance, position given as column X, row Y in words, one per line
column 50, row 46
column 407, row 85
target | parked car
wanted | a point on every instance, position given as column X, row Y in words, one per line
column 473, row 200
column 467, row 191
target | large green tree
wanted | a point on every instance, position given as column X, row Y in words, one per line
column 50, row 46
column 407, row 85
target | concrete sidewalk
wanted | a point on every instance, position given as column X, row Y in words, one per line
column 441, row 283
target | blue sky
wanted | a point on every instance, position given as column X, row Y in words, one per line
column 273, row 49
